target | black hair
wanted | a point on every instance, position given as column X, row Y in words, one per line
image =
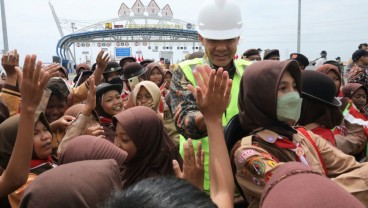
column 58, row 88
column 160, row 192
column 58, row 95
column 105, row 78
column 361, row 45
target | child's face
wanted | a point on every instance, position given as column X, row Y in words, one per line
column 144, row 98
column 359, row 98
column 156, row 76
column 42, row 141
column 287, row 84
column 124, row 142
column 112, row 103
column 55, row 108
column 168, row 77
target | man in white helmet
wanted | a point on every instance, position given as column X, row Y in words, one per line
column 219, row 28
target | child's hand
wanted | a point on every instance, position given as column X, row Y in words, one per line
column 193, row 167
column 96, row 131
column 102, row 60
column 214, row 97
column 9, row 61
column 201, row 75
column 149, row 104
column 33, row 82
column 62, row 123
column 52, row 69
column 91, row 97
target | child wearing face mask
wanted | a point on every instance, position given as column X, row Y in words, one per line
column 273, row 140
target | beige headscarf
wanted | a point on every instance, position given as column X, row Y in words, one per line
column 152, row 88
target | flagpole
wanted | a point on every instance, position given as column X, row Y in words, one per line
column 5, row 30
column 299, row 25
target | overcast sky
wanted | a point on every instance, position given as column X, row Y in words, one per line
column 337, row 26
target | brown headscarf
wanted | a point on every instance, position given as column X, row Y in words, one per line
column 167, row 71
column 78, row 184
column 152, row 88
column 294, row 184
column 351, row 88
column 8, row 135
column 326, row 68
column 88, row 147
column 76, row 109
column 150, row 67
column 258, row 96
column 155, row 150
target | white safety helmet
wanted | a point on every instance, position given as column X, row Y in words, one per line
column 220, row 20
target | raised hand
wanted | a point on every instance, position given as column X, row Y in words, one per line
column 33, row 82
column 213, row 100
column 193, row 167
column 102, row 60
column 91, row 97
column 34, row 79
column 201, row 75
column 9, row 61
column 52, row 69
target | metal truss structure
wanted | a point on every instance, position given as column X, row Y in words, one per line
column 148, row 24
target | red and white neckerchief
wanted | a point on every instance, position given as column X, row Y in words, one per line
column 353, row 116
column 285, row 143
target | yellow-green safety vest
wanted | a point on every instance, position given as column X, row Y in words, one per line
column 188, row 67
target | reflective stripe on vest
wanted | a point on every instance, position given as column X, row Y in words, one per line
column 188, row 67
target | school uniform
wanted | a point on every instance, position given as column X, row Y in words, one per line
column 259, row 155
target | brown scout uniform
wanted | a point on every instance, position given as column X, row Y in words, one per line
column 257, row 157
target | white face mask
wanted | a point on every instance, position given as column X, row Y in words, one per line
column 254, row 61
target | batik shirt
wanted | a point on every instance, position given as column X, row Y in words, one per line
column 358, row 74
